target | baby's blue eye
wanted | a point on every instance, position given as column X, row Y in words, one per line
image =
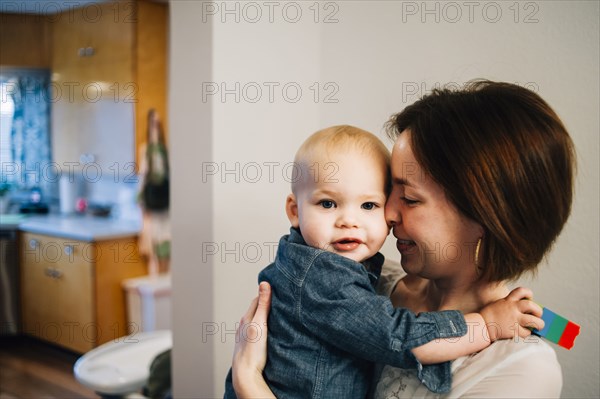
column 327, row 204
column 368, row 206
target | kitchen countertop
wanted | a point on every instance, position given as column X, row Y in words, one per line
column 11, row 221
column 82, row 228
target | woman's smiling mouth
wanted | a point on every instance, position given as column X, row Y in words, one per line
column 405, row 246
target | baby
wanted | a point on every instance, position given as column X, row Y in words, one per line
column 327, row 326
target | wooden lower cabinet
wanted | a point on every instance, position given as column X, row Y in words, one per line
column 71, row 292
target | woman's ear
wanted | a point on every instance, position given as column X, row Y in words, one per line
column 291, row 208
column 481, row 230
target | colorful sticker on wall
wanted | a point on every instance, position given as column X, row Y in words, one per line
column 557, row 329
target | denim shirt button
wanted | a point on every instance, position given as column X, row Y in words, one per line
column 453, row 327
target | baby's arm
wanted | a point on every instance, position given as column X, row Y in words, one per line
column 340, row 307
column 502, row 319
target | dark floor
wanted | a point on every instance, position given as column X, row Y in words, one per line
column 32, row 369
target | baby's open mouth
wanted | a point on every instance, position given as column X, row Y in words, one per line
column 346, row 244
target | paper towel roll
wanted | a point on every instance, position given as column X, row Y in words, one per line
column 67, row 188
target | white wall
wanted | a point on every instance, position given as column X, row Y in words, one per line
column 192, row 202
column 374, row 58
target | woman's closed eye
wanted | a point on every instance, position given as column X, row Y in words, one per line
column 409, row 201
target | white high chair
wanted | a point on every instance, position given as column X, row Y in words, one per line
column 123, row 367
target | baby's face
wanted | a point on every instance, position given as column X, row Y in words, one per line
column 340, row 205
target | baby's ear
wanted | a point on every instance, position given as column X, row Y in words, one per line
column 291, row 208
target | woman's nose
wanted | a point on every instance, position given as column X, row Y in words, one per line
column 392, row 212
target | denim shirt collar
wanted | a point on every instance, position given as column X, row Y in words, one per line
column 294, row 244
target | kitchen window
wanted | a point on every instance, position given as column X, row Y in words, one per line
column 24, row 126
column 6, row 117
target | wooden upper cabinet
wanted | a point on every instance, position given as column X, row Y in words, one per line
column 111, row 52
column 24, row 40
column 151, row 66
column 92, row 46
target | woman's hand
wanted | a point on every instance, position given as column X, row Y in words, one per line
column 250, row 353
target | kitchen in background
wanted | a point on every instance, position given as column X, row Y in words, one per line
column 77, row 85
column 99, row 68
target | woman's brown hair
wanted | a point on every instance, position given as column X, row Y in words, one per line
column 504, row 159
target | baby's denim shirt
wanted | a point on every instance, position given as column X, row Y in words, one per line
column 327, row 326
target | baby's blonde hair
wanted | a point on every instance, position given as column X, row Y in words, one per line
column 327, row 142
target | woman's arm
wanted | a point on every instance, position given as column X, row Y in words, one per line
column 250, row 353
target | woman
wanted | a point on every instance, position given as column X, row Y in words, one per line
column 155, row 237
column 482, row 186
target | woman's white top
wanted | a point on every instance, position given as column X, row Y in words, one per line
column 518, row 368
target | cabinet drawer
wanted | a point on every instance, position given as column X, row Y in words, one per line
column 40, row 249
column 71, row 290
column 57, row 291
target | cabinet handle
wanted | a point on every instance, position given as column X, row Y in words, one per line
column 53, row 273
column 33, row 243
column 85, row 51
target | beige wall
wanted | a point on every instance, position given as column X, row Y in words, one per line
column 229, row 154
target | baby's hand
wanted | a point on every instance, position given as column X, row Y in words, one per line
column 512, row 314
